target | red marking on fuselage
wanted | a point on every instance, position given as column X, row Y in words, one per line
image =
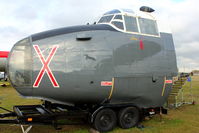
column 45, row 67
column 168, row 81
column 141, row 45
column 4, row 54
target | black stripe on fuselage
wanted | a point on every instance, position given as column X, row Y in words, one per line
column 72, row 29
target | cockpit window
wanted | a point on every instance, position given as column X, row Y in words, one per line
column 125, row 20
column 105, row 19
column 118, row 17
column 131, row 24
column 118, row 24
column 148, row 26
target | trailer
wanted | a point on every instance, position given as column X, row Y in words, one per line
column 55, row 114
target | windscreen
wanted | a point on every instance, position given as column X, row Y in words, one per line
column 131, row 24
column 105, row 19
column 148, row 26
column 118, row 24
column 20, row 64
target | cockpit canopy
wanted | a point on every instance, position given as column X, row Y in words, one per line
column 126, row 20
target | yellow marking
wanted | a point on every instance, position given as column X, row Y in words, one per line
column 112, row 88
column 163, row 89
column 133, row 38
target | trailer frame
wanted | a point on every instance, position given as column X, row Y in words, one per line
column 51, row 113
column 40, row 115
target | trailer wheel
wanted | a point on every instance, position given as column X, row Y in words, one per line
column 128, row 117
column 105, row 120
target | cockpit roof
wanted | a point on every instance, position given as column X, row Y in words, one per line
column 122, row 11
column 130, row 12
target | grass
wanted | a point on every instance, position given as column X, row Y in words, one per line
column 181, row 120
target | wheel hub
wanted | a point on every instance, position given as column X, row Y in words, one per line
column 128, row 118
column 105, row 120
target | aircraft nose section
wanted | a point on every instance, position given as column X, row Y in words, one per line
column 20, row 64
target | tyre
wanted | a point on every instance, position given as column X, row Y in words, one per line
column 105, row 120
column 128, row 117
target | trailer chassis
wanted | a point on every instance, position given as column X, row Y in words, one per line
column 51, row 114
column 41, row 115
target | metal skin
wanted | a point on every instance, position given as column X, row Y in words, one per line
column 137, row 65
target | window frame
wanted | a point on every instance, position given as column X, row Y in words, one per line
column 138, row 28
column 118, row 15
column 156, row 26
column 138, row 25
column 106, row 16
column 124, row 24
column 120, row 22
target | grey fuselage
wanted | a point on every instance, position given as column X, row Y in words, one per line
column 89, row 55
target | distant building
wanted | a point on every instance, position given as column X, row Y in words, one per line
column 196, row 72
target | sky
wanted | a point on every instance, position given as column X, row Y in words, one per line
column 19, row 19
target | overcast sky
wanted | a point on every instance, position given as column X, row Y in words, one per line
column 19, row 19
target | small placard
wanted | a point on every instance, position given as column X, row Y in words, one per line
column 168, row 81
column 106, row 83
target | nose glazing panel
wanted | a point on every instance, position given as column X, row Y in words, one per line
column 20, row 64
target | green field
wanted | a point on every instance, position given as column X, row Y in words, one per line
column 184, row 119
